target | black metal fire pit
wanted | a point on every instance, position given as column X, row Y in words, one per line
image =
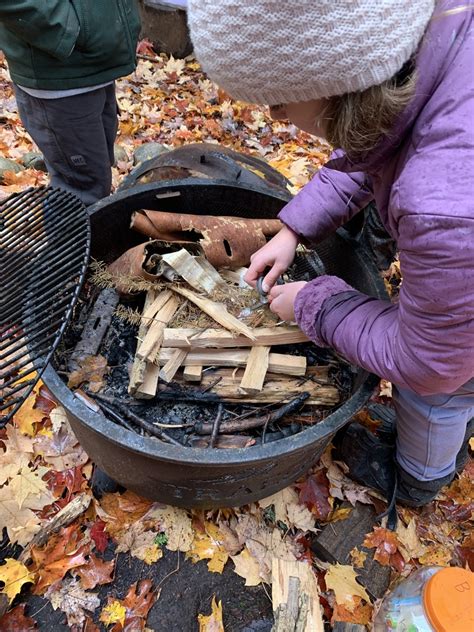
column 193, row 477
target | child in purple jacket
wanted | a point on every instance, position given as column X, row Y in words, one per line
column 390, row 84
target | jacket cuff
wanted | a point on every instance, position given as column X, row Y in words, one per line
column 309, row 302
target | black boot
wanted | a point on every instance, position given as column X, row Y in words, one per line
column 371, row 462
column 386, row 415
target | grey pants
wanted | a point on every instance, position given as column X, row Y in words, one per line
column 431, row 430
column 76, row 136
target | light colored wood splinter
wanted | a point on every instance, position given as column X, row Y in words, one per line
column 190, row 270
column 151, row 308
column 256, row 370
column 154, row 336
column 217, row 311
column 168, row 371
column 137, row 374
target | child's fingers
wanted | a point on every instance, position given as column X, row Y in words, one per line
column 271, row 278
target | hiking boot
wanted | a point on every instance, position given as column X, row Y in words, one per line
column 387, row 416
column 371, row 462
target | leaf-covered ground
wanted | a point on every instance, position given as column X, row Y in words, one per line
column 43, row 469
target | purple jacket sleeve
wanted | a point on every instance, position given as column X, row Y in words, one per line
column 329, row 200
column 425, row 342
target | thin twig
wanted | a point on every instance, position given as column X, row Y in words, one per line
column 143, row 423
column 215, row 427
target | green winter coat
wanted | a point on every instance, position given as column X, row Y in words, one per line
column 63, row 44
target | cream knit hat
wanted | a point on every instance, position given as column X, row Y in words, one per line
column 268, row 51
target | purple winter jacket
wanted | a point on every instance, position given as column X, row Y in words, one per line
column 422, row 182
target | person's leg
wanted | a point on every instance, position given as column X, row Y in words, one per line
column 71, row 134
column 431, row 430
column 110, row 120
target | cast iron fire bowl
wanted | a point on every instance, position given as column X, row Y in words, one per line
column 196, row 477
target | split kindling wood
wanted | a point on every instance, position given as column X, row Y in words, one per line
column 277, row 362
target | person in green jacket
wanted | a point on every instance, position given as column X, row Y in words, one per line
column 63, row 57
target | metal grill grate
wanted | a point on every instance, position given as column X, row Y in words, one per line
column 44, row 252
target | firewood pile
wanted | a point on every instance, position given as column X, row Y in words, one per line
column 204, row 335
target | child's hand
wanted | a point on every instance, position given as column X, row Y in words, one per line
column 278, row 255
column 282, row 299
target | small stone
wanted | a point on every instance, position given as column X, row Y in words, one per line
column 9, row 165
column 34, row 160
column 147, row 151
column 120, row 154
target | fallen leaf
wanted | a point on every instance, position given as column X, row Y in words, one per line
column 45, row 400
column 21, row 524
column 14, row 575
column 139, row 599
column 95, row 573
column 289, row 510
column 339, row 514
column 66, row 483
column 140, row 543
column 99, row 535
column 212, row 622
column 16, row 621
column 119, row 511
column 361, row 614
column 62, row 450
column 58, row 417
column 385, row 543
column 410, row 545
column 27, row 416
column 358, row 557
column 314, row 493
column 12, row 462
column 209, row 546
column 30, row 482
column 264, row 544
column 114, row 612
column 64, row 551
column 342, row 580
column 176, row 523
column 247, row 567
column 91, row 370
column 436, row 555
column 73, row 600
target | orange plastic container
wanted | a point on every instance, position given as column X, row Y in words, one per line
column 432, row 599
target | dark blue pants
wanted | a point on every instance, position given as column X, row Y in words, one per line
column 76, row 135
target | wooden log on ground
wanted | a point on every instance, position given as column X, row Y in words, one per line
column 63, row 518
column 216, row 311
column 278, row 389
column 295, row 597
column 219, row 339
column 337, row 539
column 277, row 362
column 257, row 366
